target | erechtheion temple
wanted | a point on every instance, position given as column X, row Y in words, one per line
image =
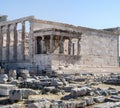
column 32, row 43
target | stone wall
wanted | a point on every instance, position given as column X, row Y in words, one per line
column 99, row 48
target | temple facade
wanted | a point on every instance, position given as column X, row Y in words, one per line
column 30, row 43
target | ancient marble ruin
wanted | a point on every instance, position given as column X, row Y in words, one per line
column 46, row 64
column 30, row 43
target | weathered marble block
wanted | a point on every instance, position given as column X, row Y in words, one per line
column 5, row 88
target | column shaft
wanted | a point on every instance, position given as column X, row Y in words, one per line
column 23, row 41
column 8, row 43
column 31, row 42
column 78, row 47
column 15, row 43
column 1, row 43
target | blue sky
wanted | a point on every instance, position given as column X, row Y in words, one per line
column 89, row 13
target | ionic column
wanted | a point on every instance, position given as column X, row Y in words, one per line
column 31, row 41
column 1, row 43
column 69, row 46
column 15, row 42
column 51, row 44
column 61, row 45
column 23, row 41
column 78, row 46
column 8, row 43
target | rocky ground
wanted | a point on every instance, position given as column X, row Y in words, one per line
column 80, row 90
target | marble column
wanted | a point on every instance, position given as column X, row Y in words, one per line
column 8, row 43
column 51, row 44
column 23, row 41
column 78, row 47
column 15, row 42
column 31, row 42
column 61, row 49
column 1, row 43
column 69, row 46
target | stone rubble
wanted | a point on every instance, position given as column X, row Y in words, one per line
column 78, row 90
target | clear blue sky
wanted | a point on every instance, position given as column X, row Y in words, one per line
column 89, row 13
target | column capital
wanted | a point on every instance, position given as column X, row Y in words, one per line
column 15, row 24
column 23, row 22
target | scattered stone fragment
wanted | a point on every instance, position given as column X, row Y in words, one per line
column 75, row 92
column 89, row 101
column 67, row 88
column 56, row 82
column 13, row 74
column 115, row 96
column 20, row 94
column 5, row 88
column 113, row 92
column 68, row 104
column 13, row 106
column 65, row 83
column 99, row 99
column 40, row 104
column 50, row 88
column 15, row 95
column 100, row 91
column 24, row 74
column 15, row 82
column 115, row 81
column 111, row 100
column 108, row 105
column 3, row 78
column 105, row 92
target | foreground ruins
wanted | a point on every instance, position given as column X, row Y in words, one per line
column 47, row 64
column 80, row 90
